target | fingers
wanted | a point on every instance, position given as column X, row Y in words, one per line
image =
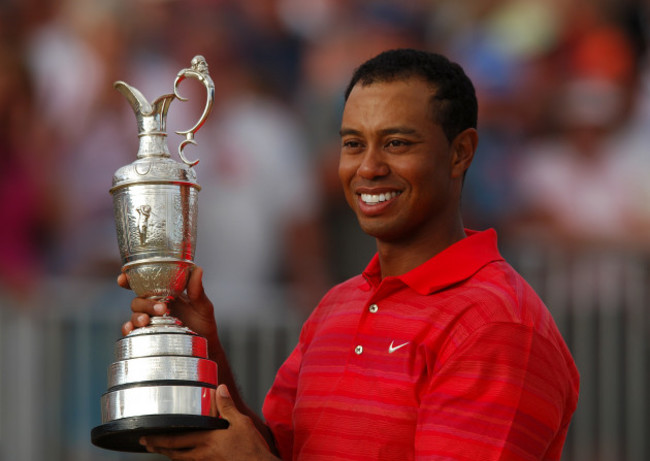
column 191, row 446
column 137, row 321
column 193, row 308
column 204, row 445
column 241, row 440
column 140, row 320
column 123, row 281
column 127, row 328
column 147, row 306
column 142, row 309
column 177, row 441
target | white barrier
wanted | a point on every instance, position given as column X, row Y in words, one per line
column 55, row 348
column 599, row 300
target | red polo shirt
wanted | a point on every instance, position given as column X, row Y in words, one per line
column 456, row 359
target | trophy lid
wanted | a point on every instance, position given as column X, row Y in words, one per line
column 154, row 163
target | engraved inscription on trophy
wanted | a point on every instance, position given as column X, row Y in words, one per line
column 162, row 380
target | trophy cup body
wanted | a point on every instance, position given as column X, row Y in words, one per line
column 162, row 379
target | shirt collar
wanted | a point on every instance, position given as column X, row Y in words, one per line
column 454, row 264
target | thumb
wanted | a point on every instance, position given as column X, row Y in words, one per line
column 197, row 296
column 225, row 405
column 195, row 290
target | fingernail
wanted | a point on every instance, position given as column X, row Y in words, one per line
column 142, row 441
column 223, row 391
column 142, row 318
column 159, row 308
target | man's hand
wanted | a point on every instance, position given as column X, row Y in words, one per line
column 196, row 312
column 194, row 309
column 240, row 441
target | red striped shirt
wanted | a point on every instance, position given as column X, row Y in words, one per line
column 457, row 359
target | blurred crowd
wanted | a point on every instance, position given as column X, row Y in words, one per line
column 564, row 122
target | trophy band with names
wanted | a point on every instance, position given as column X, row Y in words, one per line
column 162, row 379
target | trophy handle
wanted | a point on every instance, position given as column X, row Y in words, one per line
column 199, row 71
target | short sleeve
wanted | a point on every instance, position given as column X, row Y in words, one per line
column 505, row 393
column 280, row 401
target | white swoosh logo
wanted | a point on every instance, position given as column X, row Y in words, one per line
column 393, row 348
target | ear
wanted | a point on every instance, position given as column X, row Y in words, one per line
column 462, row 152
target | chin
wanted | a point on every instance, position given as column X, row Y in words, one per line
column 379, row 232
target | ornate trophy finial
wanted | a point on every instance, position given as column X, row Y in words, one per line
column 162, row 380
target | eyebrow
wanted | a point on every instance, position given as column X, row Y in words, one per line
column 384, row 132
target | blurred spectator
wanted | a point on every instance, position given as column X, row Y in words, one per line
column 259, row 242
column 27, row 208
column 502, row 45
column 258, row 239
column 75, row 58
column 573, row 182
column 272, row 50
column 67, row 72
column 280, row 67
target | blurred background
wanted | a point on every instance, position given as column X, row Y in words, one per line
column 562, row 172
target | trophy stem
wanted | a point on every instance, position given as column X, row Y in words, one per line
column 159, row 324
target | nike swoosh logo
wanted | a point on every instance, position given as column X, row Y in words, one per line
column 393, row 348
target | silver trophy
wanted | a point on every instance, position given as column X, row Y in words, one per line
column 161, row 380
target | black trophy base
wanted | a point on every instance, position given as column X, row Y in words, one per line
column 124, row 434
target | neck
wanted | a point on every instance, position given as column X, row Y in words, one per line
column 397, row 258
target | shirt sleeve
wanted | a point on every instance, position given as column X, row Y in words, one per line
column 505, row 393
column 279, row 404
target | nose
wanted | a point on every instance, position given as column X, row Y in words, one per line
column 373, row 164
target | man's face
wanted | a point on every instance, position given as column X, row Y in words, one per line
column 395, row 163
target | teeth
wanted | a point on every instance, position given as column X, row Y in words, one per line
column 377, row 198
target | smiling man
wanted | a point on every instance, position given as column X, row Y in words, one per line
column 439, row 350
column 402, row 175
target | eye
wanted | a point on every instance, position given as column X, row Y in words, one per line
column 351, row 144
column 397, row 145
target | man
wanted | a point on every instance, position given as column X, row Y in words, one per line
column 439, row 350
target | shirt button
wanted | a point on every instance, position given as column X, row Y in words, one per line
column 373, row 308
column 358, row 350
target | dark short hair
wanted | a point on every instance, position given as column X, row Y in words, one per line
column 454, row 104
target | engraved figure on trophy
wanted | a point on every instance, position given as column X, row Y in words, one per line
column 144, row 212
column 161, row 380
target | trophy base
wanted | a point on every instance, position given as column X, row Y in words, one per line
column 124, row 434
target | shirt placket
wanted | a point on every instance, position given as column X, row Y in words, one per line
column 365, row 337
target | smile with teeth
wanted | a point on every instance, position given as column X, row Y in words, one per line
column 372, row 199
